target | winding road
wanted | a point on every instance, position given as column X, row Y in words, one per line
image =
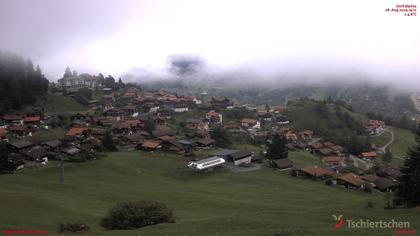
column 383, row 148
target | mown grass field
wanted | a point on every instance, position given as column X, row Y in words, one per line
column 381, row 140
column 263, row 202
column 403, row 141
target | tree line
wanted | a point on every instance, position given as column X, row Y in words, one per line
column 21, row 82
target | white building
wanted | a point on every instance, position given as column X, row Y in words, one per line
column 180, row 109
column 75, row 83
column 206, row 163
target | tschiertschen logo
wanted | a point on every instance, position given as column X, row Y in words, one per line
column 339, row 221
column 400, row 227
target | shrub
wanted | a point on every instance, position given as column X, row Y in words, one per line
column 133, row 215
column 72, row 227
column 370, row 205
column 328, row 182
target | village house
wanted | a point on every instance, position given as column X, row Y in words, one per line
column 120, row 127
column 116, row 113
column 332, row 161
column 205, row 142
column 307, row 134
column 32, row 120
column 264, row 116
column 323, row 152
column 250, row 124
column 282, row 164
column 173, row 146
column 315, row 146
column 37, row 153
column 237, row 157
column 389, row 171
column 370, row 178
column 196, row 124
column 20, row 130
column 282, row 120
column 205, row 164
column 151, row 145
column 74, row 83
column 186, row 145
column 279, row 110
column 351, row 180
column 13, row 119
column 291, row 136
column 53, row 145
column 134, row 138
column 368, row 155
column 108, row 98
column 214, row 117
column 3, row 134
column 231, row 126
column 71, row 151
column 259, row 136
column 221, row 102
column 162, row 130
column 375, row 127
column 384, row 184
column 21, row 145
column 77, row 132
column 313, row 172
column 180, row 107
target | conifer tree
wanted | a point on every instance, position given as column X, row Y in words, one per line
column 277, row 149
column 408, row 188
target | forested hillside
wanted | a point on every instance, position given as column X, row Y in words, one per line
column 20, row 82
column 379, row 101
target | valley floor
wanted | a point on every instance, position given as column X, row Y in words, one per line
column 261, row 202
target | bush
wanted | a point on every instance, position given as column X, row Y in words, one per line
column 328, row 182
column 370, row 205
column 72, row 227
column 133, row 215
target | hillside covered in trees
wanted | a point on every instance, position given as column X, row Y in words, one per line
column 21, row 82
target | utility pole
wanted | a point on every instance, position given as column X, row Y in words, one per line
column 61, row 170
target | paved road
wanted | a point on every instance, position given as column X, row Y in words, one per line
column 383, row 148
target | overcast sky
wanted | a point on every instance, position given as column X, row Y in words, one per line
column 111, row 36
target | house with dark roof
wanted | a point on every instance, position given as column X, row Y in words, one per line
column 53, row 145
column 21, row 145
column 282, row 164
column 205, row 142
column 384, row 184
column 20, row 130
column 237, row 157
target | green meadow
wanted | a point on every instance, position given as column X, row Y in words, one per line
column 262, row 202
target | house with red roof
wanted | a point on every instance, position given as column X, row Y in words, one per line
column 250, row 123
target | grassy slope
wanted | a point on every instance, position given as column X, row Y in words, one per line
column 264, row 202
column 381, row 140
column 403, row 141
column 57, row 103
